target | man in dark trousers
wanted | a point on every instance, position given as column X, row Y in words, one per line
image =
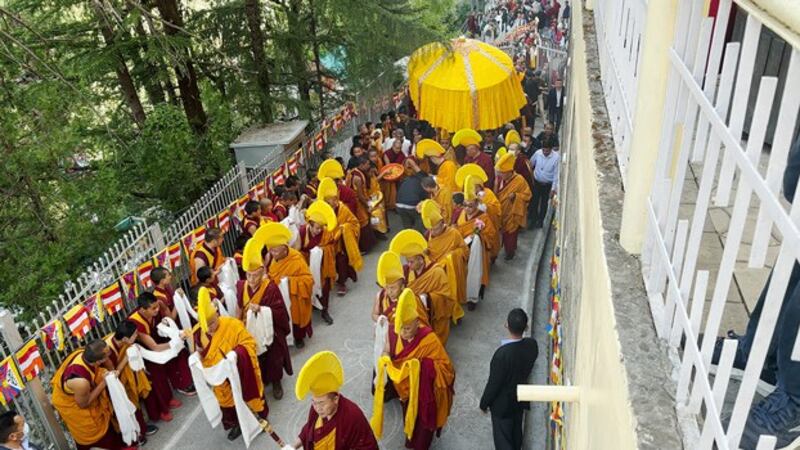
column 555, row 104
column 511, row 365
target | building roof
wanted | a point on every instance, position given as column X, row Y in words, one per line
column 278, row 133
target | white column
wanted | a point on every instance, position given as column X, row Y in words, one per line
column 659, row 31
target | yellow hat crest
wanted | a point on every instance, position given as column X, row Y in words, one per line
column 409, row 243
column 500, row 153
column 512, row 137
column 470, row 169
column 429, row 147
column 406, row 309
column 431, row 213
column 327, row 188
column 466, row 136
column 390, row 268
column 322, row 213
column 251, row 257
column 506, row 163
column 330, row 168
column 205, row 309
column 274, row 234
column 321, row 374
column 470, row 187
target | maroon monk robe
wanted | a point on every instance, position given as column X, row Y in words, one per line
column 425, row 426
column 276, row 359
column 486, row 163
column 343, row 268
column 177, row 368
column 351, row 426
column 348, row 197
column 246, row 379
column 308, row 242
column 157, row 402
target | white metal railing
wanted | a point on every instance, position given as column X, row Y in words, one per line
column 619, row 40
column 709, row 93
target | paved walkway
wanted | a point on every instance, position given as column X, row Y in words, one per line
column 470, row 347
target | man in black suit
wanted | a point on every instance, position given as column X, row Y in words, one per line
column 555, row 103
column 511, row 365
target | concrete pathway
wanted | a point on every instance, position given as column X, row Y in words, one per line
column 471, row 347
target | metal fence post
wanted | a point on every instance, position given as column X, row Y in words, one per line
column 157, row 237
column 242, row 176
column 9, row 332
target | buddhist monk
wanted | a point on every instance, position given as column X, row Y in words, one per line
column 514, row 194
column 311, row 186
column 358, row 181
column 391, row 278
column 81, row 398
column 334, row 422
column 377, row 201
column 426, row 279
column 348, row 255
column 332, row 169
column 252, row 218
column 320, row 231
column 488, row 198
column 444, row 168
column 253, row 293
column 475, row 221
column 136, row 384
column 267, row 211
column 415, row 357
column 207, row 254
column 177, row 369
column 393, row 155
column 446, row 248
column 471, row 140
column 286, row 262
column 522, row 164
column 441, row 195
column 214, row 338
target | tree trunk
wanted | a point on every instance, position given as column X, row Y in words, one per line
column 153, row 73
column 298, row 58
column 252, row 9
column 317, row 64
column 123, row 74
column 187, row 78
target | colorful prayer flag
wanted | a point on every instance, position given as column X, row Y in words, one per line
column 277, row 176
column 129, row 284
column 53, row 335
column 319, row 141
column 253, row 194
column 210, row 223
column 292, row 165
column 10, row 381
column 300, row 157
column 337, row 122
column 261, row 189
column 111, row 298
column 30, row 360
column 162, row 259
column 94, row 305
column 224, row 220
column 174, row 255
column 144, row 273
column 78, row 321
column 194, row 238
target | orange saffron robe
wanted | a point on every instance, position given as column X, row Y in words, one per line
column 362, row 213
column 347, row 233
column 231, row 334
column 212, row 258
column 86, row 425
column 446, row 175
column 389, row 308
column 449, row 250
column 432, row 282
column 444, row 198
column 494, row 210
column 378, row 210
column 489, row 238
column 301, row 283
column 515, row 212
column 136, row 384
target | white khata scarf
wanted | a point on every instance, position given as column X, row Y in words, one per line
column 315, row 264
column 206, row 377
column 259, row 324
column 287, row 300
column 137, row 354
column 124, row 409
column 474, row 268
column 184, row 309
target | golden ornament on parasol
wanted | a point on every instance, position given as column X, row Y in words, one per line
column 470, row 85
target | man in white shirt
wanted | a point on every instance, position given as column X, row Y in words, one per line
column 545, row 181
column 398, row 134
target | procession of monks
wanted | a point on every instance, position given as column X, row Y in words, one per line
column 288, row 268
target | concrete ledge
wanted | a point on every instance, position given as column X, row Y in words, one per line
column 644, row 356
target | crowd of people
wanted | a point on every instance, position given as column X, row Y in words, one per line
column 461, row 197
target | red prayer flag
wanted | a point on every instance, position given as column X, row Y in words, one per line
column 319, row 141
column 210, row 223
column 30, row 360
column 277, row 176
column 292, row 165
column 174, row 254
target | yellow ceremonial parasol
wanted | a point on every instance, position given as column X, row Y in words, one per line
column 470, row 85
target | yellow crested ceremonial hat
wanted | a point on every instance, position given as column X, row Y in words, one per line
column 330, row 168
column 506, row 163
column 470, row 169
column 409, row 243
column 321, row 374
column 327, row 188
column 274, row 234
column 322, row 213
column 502, row 151
column 429, row 147
column 512, row 137
column 431, row 213
column 251, row 256
column 469, row 187
column 406, row 309
column 466, row 136
column 390, row 269
column 205, row 309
